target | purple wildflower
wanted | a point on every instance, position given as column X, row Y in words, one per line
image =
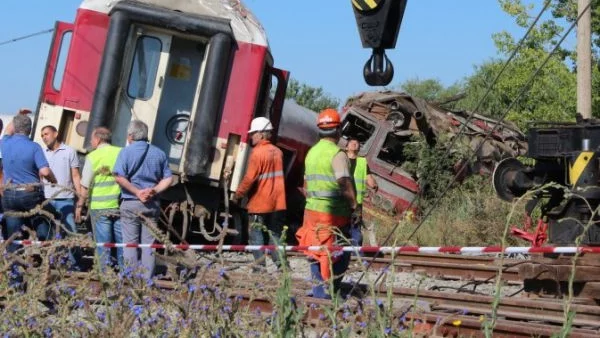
column 191, row 288
column 362, row 324
column 388, row 330
column 31, row 322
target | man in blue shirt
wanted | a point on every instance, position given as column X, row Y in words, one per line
column 24, row 162
column 142, row 171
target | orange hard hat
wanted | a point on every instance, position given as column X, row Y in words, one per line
column 328, row 118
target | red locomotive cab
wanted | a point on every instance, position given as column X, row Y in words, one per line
column 196, row 73
column 382, row 145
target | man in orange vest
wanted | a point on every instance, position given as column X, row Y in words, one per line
column 330, row 204
column 264, row 185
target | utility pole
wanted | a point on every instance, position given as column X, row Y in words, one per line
column 584, row 59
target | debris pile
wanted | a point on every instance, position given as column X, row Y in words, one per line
column 403, row 116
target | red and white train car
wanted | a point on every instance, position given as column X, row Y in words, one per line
column 196, row 71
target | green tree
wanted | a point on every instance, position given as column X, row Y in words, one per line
column 313, row 98
column 432, row 90
column 552, row 94
column 567, row 9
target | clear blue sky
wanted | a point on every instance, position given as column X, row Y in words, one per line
column 317, row 41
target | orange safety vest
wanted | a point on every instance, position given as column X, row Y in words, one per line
column 264, row 180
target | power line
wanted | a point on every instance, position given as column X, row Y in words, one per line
column 519, row 45
column 46, row 31
column 525, row 88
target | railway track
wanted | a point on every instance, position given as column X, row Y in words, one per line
column 446, row 266
column 437, row 313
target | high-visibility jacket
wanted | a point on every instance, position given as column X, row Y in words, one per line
column 264, row 180
column 360, row 178
column 104, row 193
column 323, row 193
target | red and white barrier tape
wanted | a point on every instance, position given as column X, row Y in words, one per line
column 365, row 249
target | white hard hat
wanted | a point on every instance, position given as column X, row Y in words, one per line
column 260, row 124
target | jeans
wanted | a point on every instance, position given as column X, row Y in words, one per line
column 134, row 231
column 107, row 229
column 356, row 237
column 65, row 207
column 24, row 201
column 263, row 229
column 339, row 267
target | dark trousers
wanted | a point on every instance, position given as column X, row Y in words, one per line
column 266, row 229
column 24, row 201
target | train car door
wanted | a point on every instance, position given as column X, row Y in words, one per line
column 142, row 83
column 179, row 95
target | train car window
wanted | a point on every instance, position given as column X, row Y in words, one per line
column 144, row 68
column 289, row 155
column 355, row 127
column 266, row 93
column 392, row 150
column 61, row 63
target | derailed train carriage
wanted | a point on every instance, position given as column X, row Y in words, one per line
column 196, row 72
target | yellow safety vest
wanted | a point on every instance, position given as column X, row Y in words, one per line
column 104, row 193
column 323, row 193
column 360, row 178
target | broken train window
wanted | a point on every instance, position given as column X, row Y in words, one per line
column 392, row 149
column 358, row 128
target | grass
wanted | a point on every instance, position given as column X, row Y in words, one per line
column 205, row 300
column 471, row 214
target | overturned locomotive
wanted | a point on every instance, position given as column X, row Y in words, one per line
column 386, row 122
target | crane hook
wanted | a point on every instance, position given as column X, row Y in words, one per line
column 376, row 71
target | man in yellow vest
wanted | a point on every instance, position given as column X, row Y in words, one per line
column 99, row 184
column 359, row 169
column 330, row 204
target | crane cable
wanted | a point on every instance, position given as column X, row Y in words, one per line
column 525, row 88
column 521, row 42
column 24, row 37
column 470, row 117
column 515, row 101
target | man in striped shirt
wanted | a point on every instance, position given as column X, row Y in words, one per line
column 264, row 185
